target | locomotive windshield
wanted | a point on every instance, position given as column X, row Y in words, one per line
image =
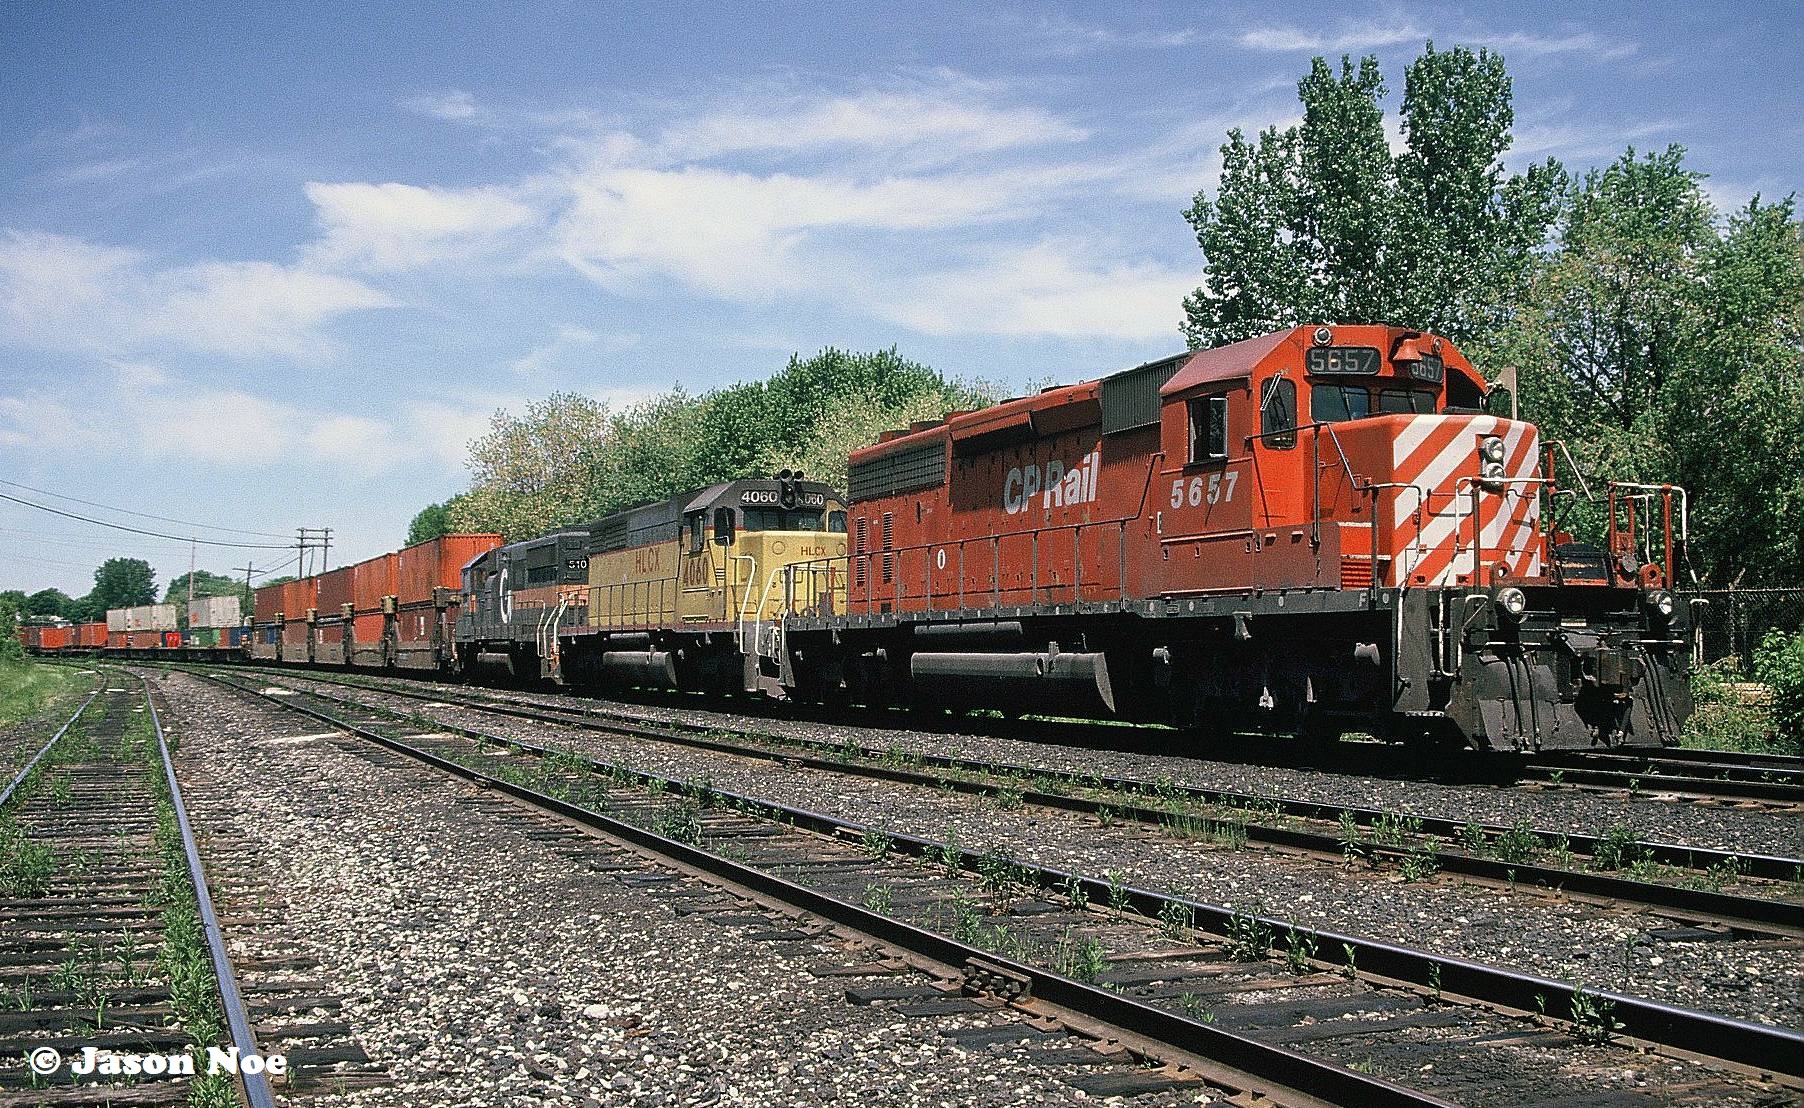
column 802, row 519
column 1339, row 403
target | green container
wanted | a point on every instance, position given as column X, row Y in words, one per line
column 204, row 637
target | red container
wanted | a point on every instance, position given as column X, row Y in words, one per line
column 147, row 640
column 298, row 596
column 172, row 640
column 90, row 636
column 115, row 640
column 334, row 590
column 437, row 563
column 368, row 627
column 266, row 602
column 294, row 639
column 56, row 638
column 371, row 581
column 329, row 633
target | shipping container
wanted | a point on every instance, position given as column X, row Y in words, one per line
column 234, row 637
column 145, row 617
column 56, row 638
column 368, row 627
column 371, row 581
column 90, row 636
column 148, row 640
column 115, row 640
column 437, row 563
column 334, row 591
column 215, row 611
column 203, row 638
column 266, row 602
column 298, row 596
column 115, row 619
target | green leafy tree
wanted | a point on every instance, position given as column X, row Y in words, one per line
column 1662, row 345
column 570, row 461
column 11, row 650
column 1321, row 223
column 432, row 521
column 52, row 603
column 124, row 583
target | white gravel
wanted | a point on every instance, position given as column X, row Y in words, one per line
column 483, row 966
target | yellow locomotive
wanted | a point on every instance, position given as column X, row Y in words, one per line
column 682, row 593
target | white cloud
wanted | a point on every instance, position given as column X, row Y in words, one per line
column 451, row 104
column 1060, row 34
column 745, row 236
column 1046, row 289
column 396, row 226
column 949, row 120
column 64, row 293
column 1516, row 42
column 1351, row 38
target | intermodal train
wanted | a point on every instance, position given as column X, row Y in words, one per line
column 1321, row 530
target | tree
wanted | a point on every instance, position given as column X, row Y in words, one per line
column 1320, row 223
column 123, row 583
column 53, row 603
column 1661, row 345
column 432, row 521
column 570, row 461
column 11, row 650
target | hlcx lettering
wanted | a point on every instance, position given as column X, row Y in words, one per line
column 646, row 560
column 1055, row 485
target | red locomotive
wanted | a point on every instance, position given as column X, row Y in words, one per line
column 1316, row 531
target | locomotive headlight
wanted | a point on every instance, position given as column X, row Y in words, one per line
column 1513, row 601
column 1490, row 448
column 1661, row 603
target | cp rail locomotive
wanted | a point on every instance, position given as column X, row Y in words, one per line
column 1317, row 531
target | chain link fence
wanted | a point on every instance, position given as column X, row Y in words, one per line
column 1735, row 621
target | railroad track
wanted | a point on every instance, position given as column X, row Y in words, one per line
column 1669, row 774
column 1514, row 857
column 107, row 933
column 1192, row 985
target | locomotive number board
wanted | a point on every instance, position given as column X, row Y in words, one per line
column 1344, row 359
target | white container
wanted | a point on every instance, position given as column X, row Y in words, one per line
column 150, row 617
column 116, row 619
column 214, row 611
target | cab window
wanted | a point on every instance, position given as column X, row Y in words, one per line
column 1405, row 401
column 776, row 519
column 1208, row 429
column 1278, row 412
column 1338, row 403
column 836, row 522
column 698, row 538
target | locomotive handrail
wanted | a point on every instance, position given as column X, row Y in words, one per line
column 1475, row 484
column 1315, row 467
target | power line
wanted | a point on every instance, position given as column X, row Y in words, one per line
column 141, row 531
column 140, row 515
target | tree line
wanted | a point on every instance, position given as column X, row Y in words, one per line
column 1657, row 338
column 119, row 583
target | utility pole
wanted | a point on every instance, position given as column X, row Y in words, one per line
column 190, row 578
column 310, row 539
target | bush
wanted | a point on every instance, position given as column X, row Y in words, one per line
column 1779, row 664
column 1727, row 714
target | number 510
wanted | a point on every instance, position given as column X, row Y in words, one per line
column 1220, row 489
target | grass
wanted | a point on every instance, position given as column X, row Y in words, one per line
column 1729, row 713
column 30, row 688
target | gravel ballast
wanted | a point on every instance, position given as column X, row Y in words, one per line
column 482, row 966
column 1566, row 941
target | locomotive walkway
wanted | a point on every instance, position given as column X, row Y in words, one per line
column 1033, row 935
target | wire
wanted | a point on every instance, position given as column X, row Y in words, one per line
column 152, row 534
column 141, row 515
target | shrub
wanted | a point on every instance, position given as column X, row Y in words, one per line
column 1779, row 664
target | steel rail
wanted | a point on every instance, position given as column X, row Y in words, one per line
column 255, row 1085
column 1311, row 1079
column 1709, row 788
column 18, row 780
column 1759, row 1047
column 1771, row 867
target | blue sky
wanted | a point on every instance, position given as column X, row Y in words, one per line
column 266, row 270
